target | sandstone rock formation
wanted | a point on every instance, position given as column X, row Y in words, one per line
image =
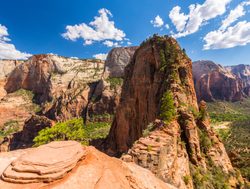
column 214, row 82
column 243, row 72
column 32, row 126
column 180, row 146
column 78, row 167
column 117, row 60
column 48, row 75
column 7, row 66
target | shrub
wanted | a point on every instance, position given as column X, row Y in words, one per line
column 9, row 127
column 26, row 94
column 149, row 128
column 168, row 111
column 115, row 81
column 72, row 130
column 187, row 179
column 205, row 141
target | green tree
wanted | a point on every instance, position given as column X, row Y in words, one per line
column 168, row 111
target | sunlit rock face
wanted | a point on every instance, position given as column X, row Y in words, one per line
column 117, row 59
column 214, row 82
column 243, row 72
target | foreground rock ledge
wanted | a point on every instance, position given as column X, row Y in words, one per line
column 46, row 163
column 69, row 165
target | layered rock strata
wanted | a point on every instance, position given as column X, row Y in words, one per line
column 45, row 164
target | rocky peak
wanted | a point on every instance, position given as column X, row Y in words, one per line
column 214, row 82
column 117, row 59
column 158, row 123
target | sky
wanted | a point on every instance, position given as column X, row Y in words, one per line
column 217, row 30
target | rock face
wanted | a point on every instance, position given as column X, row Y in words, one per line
column 62, row 85
column 32, row 126
column 48, row 75
column 117, row 59
column 158, row 98
column 78, row 167
column 243, row 72
column 7, row 66
column 214, row 82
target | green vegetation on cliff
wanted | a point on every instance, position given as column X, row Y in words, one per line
column 115, row 81
column 168, row 110
column 73, row 130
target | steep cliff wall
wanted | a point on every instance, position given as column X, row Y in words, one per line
column 243, row 72
column 214, row 82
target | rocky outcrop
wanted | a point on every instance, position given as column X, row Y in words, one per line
column 32, row 126
column 61, row 85
column 78, row 167
column 7, row 66
column 117, row 60
column 158, row 119
column 45, row 164
column 49, row 75
column 243, row 72
column 214, row 82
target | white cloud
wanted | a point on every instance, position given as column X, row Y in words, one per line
column 100, row 29
column 198, row 15
column 111, row 43
column 234, row 15
column 157, row 22
column 8, row 50
column 178, row 19
column 238, row 35
column 129, row 43
column 167, row 26
column 100, row 56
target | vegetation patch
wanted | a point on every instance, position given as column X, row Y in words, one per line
column 73, row 130
column 213, row 178
column 26, row 94
column 9, row 127
column 115, row 81
column 168, row 110
column 235, row 136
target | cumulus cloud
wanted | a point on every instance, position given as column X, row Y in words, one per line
column 101, row 56
column 237, row 35
column 8, row 50
column 157, row 22
column 111, row 43
column 198, row 15
column 100, row 29
column 228, row 36
column 235, row 14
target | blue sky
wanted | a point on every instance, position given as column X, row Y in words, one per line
column 222, row 27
